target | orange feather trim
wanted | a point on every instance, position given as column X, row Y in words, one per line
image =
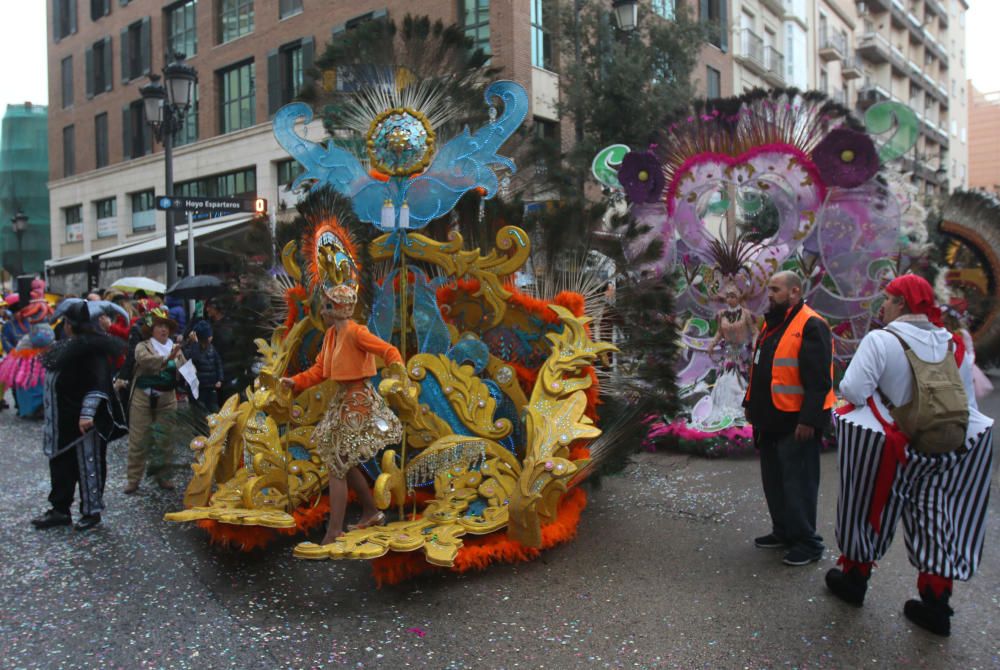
column 294, row 296
column 480, row 551
column 310, row 241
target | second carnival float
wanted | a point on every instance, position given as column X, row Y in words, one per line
column 479, row 402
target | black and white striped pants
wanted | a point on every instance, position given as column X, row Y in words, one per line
column 942, row 500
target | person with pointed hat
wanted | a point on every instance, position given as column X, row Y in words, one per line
column 939, row 490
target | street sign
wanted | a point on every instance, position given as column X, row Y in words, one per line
column 253, row 205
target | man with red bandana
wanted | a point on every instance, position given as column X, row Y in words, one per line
column 942, row 498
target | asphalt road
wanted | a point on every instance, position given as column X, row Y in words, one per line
column 663, row 574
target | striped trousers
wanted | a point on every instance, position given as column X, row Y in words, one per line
column 942, row 500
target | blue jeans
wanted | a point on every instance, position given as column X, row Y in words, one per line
column 789, row 470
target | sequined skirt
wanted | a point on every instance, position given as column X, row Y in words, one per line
column 356, row 427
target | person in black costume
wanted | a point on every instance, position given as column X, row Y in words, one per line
column 82, row 414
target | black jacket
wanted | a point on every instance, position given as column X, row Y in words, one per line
column 207, row 361
column 815, row 357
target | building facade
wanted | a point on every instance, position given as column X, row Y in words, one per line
column 984, row 140
column 24, row 171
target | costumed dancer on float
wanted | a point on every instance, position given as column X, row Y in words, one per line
column 358, row 423
column 939, row 487
column 22, row 368
column 81, row 415
column 154, row 395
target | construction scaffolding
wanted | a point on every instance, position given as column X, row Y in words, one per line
column 24, row 171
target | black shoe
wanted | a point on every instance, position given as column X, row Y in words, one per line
column 51, row 519
column 798, row 557
column 769, row 541
column 930, row 612
column 87, row 522
column 849, row 586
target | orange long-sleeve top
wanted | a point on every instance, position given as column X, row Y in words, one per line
column 346, row 356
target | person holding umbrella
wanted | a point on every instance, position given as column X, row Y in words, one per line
column 81, row 414
column 157, row 359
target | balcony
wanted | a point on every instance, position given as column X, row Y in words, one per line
column 852, row 68
column 752, row 51
column 832, row 46
column 877, row 6
column 936, row 7
column 774, row 61
column 873, row 47
column 871, row 94
column 776, row 6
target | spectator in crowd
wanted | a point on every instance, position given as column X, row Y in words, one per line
column 208, row 363
column 175, row 307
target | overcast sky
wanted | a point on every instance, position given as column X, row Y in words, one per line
column 22, row 49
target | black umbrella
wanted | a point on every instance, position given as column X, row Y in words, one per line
column 196, row 287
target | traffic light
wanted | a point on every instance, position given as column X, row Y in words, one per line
column 260, row 205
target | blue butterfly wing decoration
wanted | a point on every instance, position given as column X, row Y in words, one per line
column 465, row 162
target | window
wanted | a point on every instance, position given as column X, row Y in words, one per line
column 63, row 18
column 101, row 139
column 69, row 151
column 227, row 185
column 137, row 137
column 714, row 13
column 665, row 8
column 378, row 14
column 99, row 67
column 288, row 8
column 288, row 170
column 66, row 69
column 235, row 19
column 136, row 50
column 476, row 20
column 182, row 33
column 189, row 131
column 961, row 135
column 143, row 211
column 73, row 216
column 541, row 41
column 237, row 93
column 824, row 82
column 107, row 217
column 99, row 9
column 286, row 68
column 713, row 82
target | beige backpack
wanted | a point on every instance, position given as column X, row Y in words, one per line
column 937, row 417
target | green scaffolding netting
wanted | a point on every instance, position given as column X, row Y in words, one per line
column 24, row 172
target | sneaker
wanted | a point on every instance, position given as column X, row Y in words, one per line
column 769, row 541
column 799, row 557
column 87, row 522
column 51, row 519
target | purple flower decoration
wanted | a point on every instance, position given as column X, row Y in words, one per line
column 846, row 158
column 641, row 175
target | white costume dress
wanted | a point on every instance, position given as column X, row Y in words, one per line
column 942, row 499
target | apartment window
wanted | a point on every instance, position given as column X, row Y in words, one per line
column 476, row 20
column 98, row 57
column 63, row 18
column 99, row 9
column 136, row 50
column 288, row 170
column 73, row 216
column 189, row 131
column 143, row 211
column 137, row 137
column 227, row 185
column 713, row 82
column 236, row 87
column 954, row 128
column 235, row 19
column 286, row 68
column 101, row 140
column 541, row 40
column 288, row 8
column 182, row 33
column 66, row 70
column 107, row 217
column 665, row 8
column 961, row 135
column 715, row 13
column 69, row 151
column 824, row 82
column 339, row 29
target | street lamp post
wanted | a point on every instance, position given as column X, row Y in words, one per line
column 20, row 223
column 164, row 106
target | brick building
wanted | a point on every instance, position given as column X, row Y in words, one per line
column 984, row 140
column 251, row 55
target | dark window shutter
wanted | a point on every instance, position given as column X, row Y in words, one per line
column 57, row 27
column 108, row 77
column 89, row 72
column 107, row 7
column 147, row 139
column 274, row 87
column 308, row 58
column 72, row 16
column 724, row 25
column 123, row 46
column 147, row 47
column 126, row 133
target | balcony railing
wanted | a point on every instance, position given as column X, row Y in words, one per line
column 774, row 61
column 852, row 67
column 752, row 47
column 832, row 45
column 873, row 47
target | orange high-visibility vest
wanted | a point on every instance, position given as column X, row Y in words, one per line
column 786, row 384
